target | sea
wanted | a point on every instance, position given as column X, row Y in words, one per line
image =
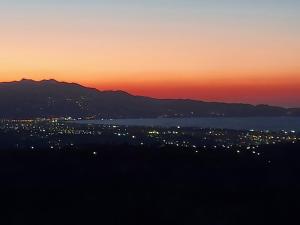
column 234, row 123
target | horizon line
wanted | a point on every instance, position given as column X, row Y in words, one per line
column 118, row 90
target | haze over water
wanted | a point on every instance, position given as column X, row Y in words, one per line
column 235, row 123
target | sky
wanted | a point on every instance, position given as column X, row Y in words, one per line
column 214, row 50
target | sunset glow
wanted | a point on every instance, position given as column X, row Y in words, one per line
column 232, row 51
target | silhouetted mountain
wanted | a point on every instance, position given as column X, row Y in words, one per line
column 50, row 98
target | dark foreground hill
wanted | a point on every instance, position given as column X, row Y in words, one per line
column 140, row 186
column 49, row 98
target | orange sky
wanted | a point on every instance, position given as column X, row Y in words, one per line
column 218, row 53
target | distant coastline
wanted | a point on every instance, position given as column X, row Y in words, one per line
column 290, row 124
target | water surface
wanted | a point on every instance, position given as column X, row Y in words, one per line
column 236, row 123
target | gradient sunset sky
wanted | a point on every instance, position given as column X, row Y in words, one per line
column 216, row 50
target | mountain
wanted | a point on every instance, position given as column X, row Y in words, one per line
column 49, row 98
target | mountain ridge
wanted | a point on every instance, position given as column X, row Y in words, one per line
column 50, row 98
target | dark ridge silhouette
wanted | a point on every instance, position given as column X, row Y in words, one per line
column 26, row 99
column 140, row 186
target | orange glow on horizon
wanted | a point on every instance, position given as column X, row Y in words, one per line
column 234, row 55
column 263, row 89
column 276, row 93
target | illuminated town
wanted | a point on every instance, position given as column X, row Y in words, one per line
column 63, row 134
